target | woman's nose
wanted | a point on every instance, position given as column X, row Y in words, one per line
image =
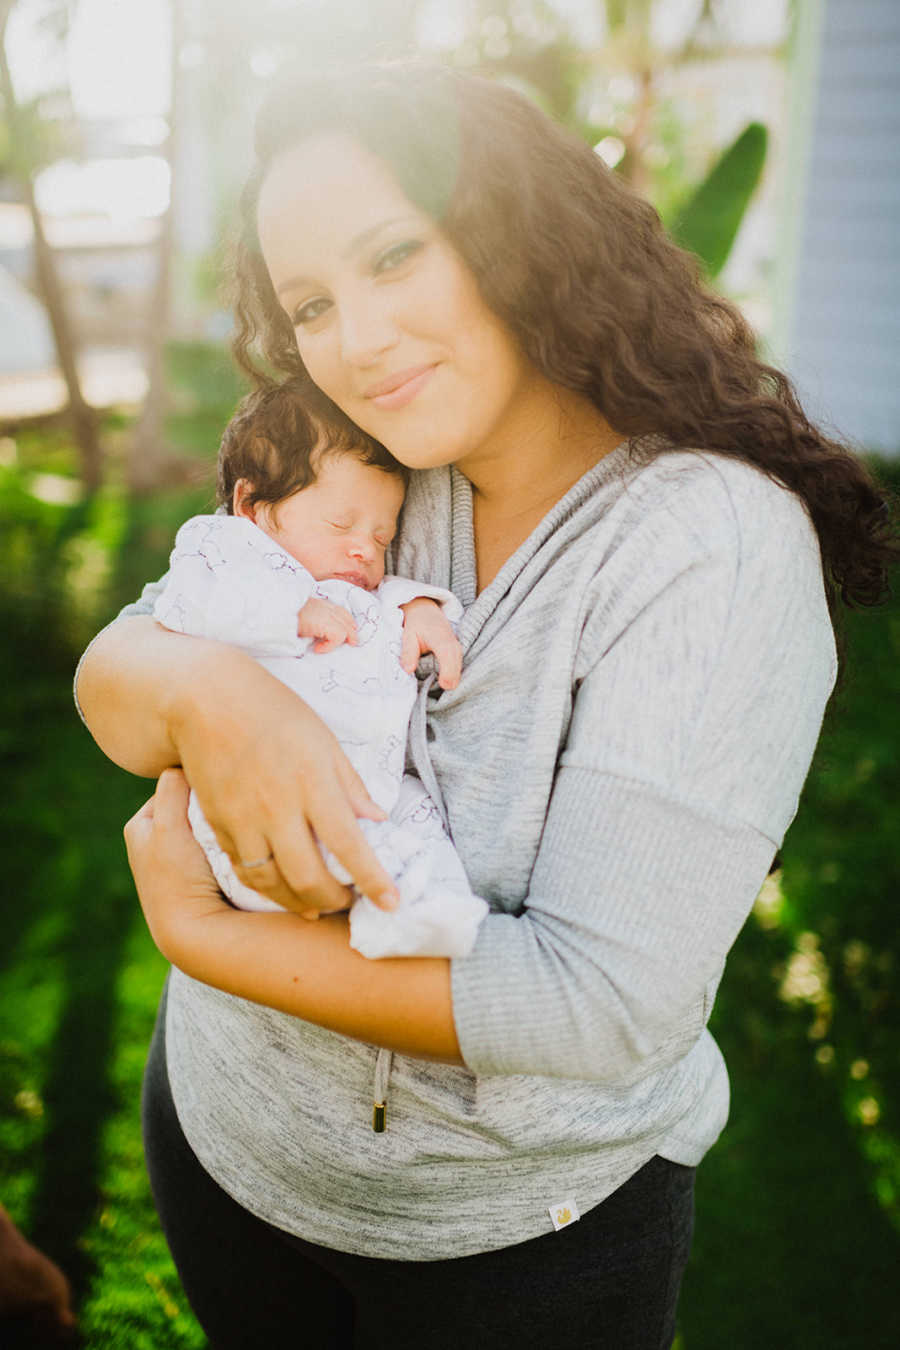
column 367, row 332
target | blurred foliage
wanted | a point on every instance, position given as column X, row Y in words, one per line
column 708, row 223
column 46, row 128
column 41, row 141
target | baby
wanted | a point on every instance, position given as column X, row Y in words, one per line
column 294, row 574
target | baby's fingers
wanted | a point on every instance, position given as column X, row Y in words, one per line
column 448, row 654
column 410, row 648
column 328, row 642
column 339, row 627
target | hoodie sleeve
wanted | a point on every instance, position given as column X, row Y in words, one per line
column 692, row 731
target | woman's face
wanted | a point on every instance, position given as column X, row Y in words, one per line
column 388, row 318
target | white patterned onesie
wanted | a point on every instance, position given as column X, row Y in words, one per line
column 229, row 581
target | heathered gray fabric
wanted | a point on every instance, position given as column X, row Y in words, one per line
column 643, row 687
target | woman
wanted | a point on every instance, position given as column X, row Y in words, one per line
column 647, row 535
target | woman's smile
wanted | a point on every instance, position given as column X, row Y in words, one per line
column 396, row 391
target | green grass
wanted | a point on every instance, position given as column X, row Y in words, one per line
column 798, row 1225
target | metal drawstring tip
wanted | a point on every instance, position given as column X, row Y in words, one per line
column 378, row 1113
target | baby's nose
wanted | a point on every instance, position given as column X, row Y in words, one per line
column 362, row 547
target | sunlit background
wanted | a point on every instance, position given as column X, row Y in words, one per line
column 767, row 134
column 666, row 85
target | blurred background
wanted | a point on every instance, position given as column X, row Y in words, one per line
column 767, row 136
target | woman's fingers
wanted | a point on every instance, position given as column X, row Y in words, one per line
column 171, row 875
column 291, row 870
column 341, row 833
column 171, row 798
column 141, row 822
column 355, row 789
column 164, row 810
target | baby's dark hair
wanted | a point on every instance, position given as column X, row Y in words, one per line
column 278, row 437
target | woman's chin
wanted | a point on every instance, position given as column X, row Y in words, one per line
column 417, row 453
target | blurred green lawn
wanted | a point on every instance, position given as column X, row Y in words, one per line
column 798, row 1207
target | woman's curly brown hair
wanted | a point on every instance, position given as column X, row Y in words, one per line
column 581, row 271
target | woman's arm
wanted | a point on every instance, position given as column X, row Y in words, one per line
column 269, row 775
column 128, row 686
column 306, row 970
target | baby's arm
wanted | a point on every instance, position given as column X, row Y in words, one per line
column 331, row 625
column 426, row 628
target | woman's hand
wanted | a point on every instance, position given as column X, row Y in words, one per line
column 272, row 780
column 269, row 775
column 172, row 877
column 305, row 970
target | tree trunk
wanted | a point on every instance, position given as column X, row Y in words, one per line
column 148, row 454
column 149, row 458
column 82, row 417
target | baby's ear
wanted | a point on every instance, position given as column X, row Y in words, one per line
column 241, row 505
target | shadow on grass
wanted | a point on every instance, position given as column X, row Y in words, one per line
column 77, row 1094
column 71, row 914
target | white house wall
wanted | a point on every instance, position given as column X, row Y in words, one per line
column 843, row 331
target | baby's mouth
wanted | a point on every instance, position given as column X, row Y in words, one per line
column 355, row 579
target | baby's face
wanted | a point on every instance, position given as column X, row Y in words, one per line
column 341, row 525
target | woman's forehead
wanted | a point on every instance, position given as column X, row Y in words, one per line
column 328, row 193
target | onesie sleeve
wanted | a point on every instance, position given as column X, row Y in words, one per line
column 196, row 597
column 695, row 717
column 230, row 582
column 398, row 591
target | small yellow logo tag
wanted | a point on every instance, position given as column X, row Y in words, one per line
column 563, row 1213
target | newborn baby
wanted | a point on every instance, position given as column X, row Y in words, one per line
column 295, row 575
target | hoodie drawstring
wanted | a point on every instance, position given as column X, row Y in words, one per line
column 383, row 1062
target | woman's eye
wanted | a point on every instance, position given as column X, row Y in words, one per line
column 309, row 310
column 396, row 255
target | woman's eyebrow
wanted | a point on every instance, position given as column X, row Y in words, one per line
column 364, row 237
column 359, row 241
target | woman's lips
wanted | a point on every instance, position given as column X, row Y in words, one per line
column 398, row 390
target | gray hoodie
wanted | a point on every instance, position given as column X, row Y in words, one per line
column 643, row 686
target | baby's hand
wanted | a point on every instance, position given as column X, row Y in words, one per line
column 331, row 625
column 426, row 629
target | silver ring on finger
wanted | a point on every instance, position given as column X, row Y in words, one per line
column 257, row 862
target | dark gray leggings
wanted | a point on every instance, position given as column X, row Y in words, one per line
column 610, row 1282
